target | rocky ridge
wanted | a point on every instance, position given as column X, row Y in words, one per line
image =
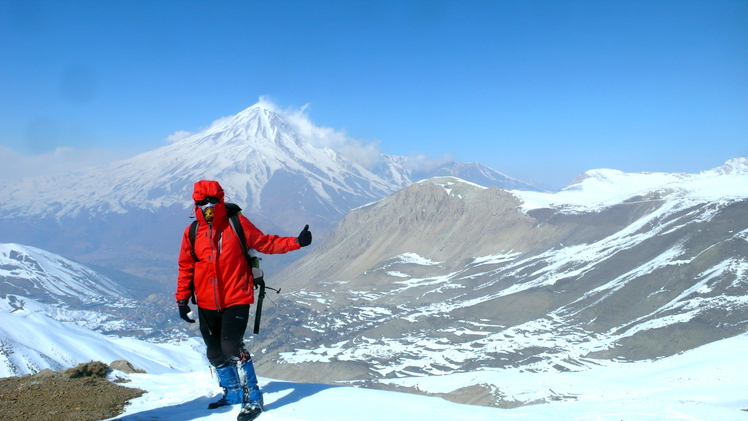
column 448, row 277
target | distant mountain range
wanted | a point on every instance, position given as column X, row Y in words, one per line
column 129, row 215
column 446, row 276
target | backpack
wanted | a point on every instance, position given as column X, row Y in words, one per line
column 233, row 211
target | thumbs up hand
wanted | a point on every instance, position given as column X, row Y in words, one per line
column 305, row 238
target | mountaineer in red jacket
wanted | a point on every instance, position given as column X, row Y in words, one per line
column 217, row 273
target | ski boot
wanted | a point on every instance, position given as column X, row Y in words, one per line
column 228, row 379
column 249, row 413
column 253, row 402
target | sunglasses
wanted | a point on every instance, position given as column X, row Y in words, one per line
column 206, row 201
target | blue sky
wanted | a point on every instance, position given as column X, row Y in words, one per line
column 539, row 90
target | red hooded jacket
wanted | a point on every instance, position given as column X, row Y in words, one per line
column 221, row 276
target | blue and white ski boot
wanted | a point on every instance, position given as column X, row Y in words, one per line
column 228, row 379
column 253, row 402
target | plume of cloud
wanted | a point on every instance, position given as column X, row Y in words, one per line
column 220, row 121
column 424, row 163
column 364, row 153
column 178, row 135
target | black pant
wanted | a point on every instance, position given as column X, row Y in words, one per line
column 223, row 332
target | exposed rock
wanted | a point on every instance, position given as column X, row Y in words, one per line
column 124, row 366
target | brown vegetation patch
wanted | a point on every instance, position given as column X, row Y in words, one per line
column 82, row 393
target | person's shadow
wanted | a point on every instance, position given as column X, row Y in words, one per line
column 192, row 410
column 198, row 408
column 298, row 391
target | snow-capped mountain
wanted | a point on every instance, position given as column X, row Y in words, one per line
column 52, row 279
column 130, row 214
column 448, row 277
column 35, row 336
column 49, row 303
column 252, row 154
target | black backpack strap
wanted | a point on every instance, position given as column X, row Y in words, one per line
column 193, row 235
column 236, row 224
column 233, row 211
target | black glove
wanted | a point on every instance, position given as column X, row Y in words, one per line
column 305, row 238
column 184, row 310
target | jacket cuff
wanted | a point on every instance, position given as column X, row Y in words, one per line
column 181, row 302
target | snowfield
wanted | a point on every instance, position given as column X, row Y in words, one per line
column 186, row 397
column 709, row 384
column 597, row 189
column 35, row 336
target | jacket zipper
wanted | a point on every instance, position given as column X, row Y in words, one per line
column 214, row 259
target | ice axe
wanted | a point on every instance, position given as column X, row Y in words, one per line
column 260, row 283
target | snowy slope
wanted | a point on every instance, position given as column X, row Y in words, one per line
column 50, row 278
column 597, row 189
column 705, row 384
column 54, row 314
column 35, row 336
column 708, row 383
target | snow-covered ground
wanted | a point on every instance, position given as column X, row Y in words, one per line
column 186, row 397
column 35, row 336
column 709, row 383
column 600, row 188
